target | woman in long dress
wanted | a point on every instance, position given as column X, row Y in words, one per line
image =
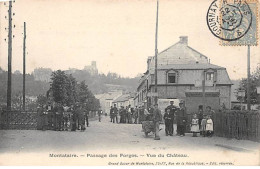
column 195, row 125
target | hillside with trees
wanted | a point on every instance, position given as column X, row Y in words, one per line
column 254, row 83
column 99, row 83
column 33, row 87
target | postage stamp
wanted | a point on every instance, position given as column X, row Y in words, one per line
column 234, row 22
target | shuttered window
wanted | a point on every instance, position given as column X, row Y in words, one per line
column 171, row 77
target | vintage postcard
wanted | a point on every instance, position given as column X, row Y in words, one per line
column 129, row 83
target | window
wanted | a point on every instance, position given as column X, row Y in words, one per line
column 171, row 77
column 210, row 76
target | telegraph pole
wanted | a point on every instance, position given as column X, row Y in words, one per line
column 155, row 57
column 10, row 36
column 248, row 79
column 24, row 53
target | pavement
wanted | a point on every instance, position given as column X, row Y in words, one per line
column 105, row 137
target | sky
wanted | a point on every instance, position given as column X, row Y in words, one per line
column 118, row 34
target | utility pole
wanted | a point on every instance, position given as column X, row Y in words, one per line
column 248, row 79
column 10, row 36
column 24, row 53
column 203, row 93
column 155, row 57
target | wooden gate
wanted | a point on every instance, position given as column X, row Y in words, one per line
column 238, row 124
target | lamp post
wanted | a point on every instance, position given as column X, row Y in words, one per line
column 248, row 79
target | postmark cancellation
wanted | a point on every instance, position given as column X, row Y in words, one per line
column 234, row 22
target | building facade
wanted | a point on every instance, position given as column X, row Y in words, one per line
column 186, row 74
column 124, row 100
column 106, row 99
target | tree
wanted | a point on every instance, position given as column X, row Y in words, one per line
column 59, row 86
column 67, row 91
column 71, row 91
column 254, row 82
column 86, row 97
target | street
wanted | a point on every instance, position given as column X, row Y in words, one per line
column 106, row 137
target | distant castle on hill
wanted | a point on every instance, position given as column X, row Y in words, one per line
column 92, row 69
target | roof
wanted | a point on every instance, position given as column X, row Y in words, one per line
column 99, row 96
column 190, row 66
column 109, row 96
column 122, row 98
column 180, row 53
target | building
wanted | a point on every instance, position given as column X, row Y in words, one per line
column 92, row 69
column 124, row 100
column 185, row 74
column 106, row 99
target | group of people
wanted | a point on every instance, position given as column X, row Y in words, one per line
column 173, row 113
column 203, row 122
column 126, row 114
column 63, row 118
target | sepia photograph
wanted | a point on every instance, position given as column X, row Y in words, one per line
column 129, row 83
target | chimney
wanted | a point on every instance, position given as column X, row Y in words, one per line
column 184, row 40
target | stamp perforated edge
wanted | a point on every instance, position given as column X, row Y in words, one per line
column 238, row 43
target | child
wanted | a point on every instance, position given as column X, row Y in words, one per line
column 209, row 126
column 195, row 125
column 167, row 120
column 203, row 125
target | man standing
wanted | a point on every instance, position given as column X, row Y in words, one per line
column 59, row 117
column 200, row 116
column 74, row 120
column 172, row 114
column 181, row 120
column 99, row 115
column 121, row 114
column 111, row 114
column 129, row 116
column 136, row 114
column 81, row 116
column 157, row 117
column 141, row 115
column 115, row 113
column 86, row 117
